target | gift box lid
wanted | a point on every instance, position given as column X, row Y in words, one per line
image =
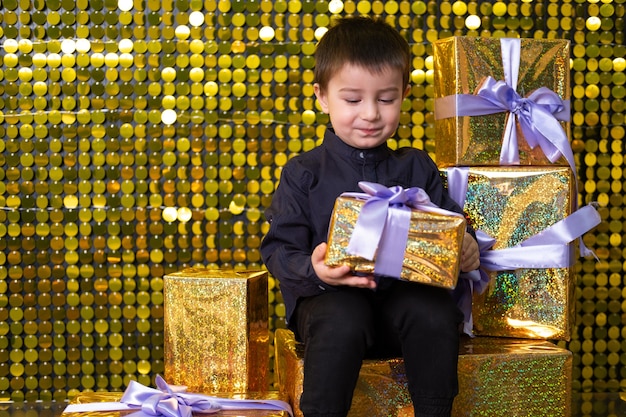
column 207, row 273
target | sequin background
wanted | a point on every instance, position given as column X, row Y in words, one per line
column 141, row 137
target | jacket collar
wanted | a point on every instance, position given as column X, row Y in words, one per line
column 336, row 145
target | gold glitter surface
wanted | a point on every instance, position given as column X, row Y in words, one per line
column 432, row 253
column 512, row 204
column 497, row 377
column 462, row 64
column 216, row 335
column 289, row 367
column 98, row 397
column 512, row 377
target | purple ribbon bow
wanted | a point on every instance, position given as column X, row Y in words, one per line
column 174, row 401
column 382, row 228
column 538, row 116
column 167, row 400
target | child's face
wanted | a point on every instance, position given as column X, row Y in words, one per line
column 364, row 106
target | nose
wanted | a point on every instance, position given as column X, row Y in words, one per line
column 369, row 110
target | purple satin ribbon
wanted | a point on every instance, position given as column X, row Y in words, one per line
column 549, row 248
column 539, row 114
column 174, row 401
column 549, row 240
column 478, row 279
column 382, row 228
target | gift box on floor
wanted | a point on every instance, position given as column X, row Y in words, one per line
column 513, row 377
column 216, row 335
column 481, row 83
column 92, row 398
column 430, row 253
column 511, row 205
column 497, row 377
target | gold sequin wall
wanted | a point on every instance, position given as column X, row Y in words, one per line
column 138, row 137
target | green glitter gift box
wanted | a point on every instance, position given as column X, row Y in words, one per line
column 512, row 204
column 469, row 135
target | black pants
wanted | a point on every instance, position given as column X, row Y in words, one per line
column 341, row 328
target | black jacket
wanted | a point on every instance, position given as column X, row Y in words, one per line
column 302, row 205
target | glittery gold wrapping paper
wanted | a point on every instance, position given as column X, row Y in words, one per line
column 216, row 334
column 513, row 377
column 461, row 64
column 497, row 377
column 432, row 254
column 98, row 397
column 289, row 368
column 512, row 204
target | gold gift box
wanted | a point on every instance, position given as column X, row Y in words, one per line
column 497, row 377
column 461, row 65
column 100, row 397
column 512, row 204
column 216, row 333
column 432, row 254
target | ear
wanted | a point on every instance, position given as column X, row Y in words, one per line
column 321, row 97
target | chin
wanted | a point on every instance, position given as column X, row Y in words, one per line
column 370, row 143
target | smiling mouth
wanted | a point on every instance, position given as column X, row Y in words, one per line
column 369, row 132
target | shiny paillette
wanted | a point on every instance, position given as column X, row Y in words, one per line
column 432, row 254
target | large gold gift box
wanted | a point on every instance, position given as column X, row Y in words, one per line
column 432, row 253
column 110, row 397
column 512, row 204
column 497, row 377
column 462, row 65
column 216, row 335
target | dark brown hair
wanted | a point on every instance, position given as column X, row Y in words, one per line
column 362, row 41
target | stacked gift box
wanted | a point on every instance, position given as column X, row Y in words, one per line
column 502, row 131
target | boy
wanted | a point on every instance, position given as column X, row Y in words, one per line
column 362, row 74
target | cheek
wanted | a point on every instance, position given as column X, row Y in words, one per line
column 393, row 112
column 340, row 111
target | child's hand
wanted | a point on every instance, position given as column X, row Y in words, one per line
column 338, row 275
column 470, row 254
